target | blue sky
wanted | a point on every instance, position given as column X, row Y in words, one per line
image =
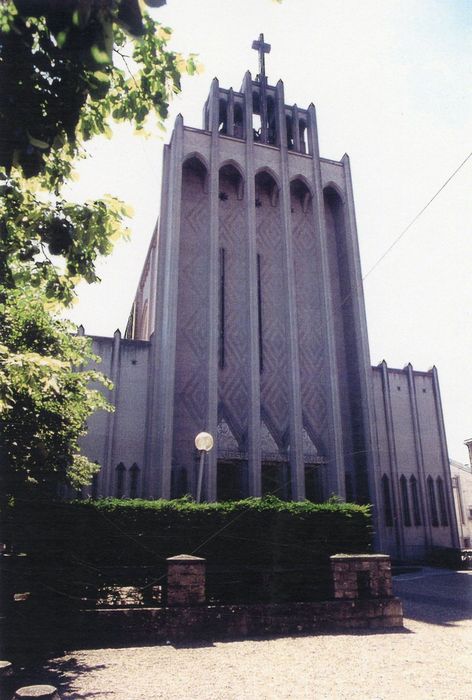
column 391, row 83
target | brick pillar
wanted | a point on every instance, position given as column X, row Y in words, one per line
column 185, row 580
column 361, row 576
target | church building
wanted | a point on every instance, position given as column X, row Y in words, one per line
column 249, row 324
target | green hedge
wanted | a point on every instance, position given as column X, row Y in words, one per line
column 245, row 542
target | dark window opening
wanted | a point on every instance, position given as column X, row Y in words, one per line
column 179, row 482
column 387, row 501
column 134, row 481
column 230, row 480
column 288, row 124
column 120, row 480
column 94, row 492
column 313, row 483
column 442, row 502
column 275, row 480
column 271, row 122
column 223, row 118
column 415, row 499
column 432, row 502
column 405, row 502
column 238, row 122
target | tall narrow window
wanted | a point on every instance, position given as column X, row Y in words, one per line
column 442, row 501
column 432, row 502
column 387, row 499
column 222, row 310
column 405, row 501
column 120, row 480
column 259, row 312
column 415, row 499
column 134, row 481
column 94, row 485
column 238, row 122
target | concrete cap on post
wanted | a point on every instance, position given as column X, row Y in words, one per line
column 5, row 669
column 185, row 559
column 47, row 692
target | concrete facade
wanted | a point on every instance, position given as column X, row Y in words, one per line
column 461, row 475
column 249, row 323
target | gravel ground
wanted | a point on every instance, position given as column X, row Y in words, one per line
column 430, row 658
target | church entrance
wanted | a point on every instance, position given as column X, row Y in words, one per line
column 275, row 477
column 313, row 483
column 231, row 479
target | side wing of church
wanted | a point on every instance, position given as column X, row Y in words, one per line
column 249, row 323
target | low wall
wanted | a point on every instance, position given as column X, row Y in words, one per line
column 154, row 625
column 361, row 598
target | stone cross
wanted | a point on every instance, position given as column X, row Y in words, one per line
column 262, row 49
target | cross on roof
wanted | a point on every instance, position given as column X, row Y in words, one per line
column 262, row 49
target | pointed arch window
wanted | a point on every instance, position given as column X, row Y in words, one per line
column 405, row 501
column 433, row 506
column 238, row 121
column 120, row 480
column 134, row 481
column 387, row 501
column 415, row 499
column 442, row 502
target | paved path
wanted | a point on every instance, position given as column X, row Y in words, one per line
column 430, row 659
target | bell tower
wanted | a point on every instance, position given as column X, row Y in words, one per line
column 257, row 324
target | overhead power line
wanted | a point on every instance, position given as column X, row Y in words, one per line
column 407, row 228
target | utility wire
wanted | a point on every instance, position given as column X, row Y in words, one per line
column 407, row 228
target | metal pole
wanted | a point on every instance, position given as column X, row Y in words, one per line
column 200, row 475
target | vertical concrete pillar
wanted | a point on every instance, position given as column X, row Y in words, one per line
column 297, row 468
column 209, row 487
column 421, row 483
column 185, row 580
column 106, row 479
column 446, row 471
column 392, row 453
column 161, row 430
column 254, row 417
column 364, row 368
column 336, row 467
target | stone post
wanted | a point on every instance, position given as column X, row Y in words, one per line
column 361, row 576
column 185, row 580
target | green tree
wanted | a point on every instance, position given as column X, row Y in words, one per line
column 46, row 396
column 68, row 69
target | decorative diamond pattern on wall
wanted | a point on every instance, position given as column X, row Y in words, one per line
column 274, row 376
column 233, row 377
column 310, row 335
column 190, row 407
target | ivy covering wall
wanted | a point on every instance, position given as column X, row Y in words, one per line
column 256, row 549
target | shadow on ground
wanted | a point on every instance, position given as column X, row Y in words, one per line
column 60, row 673
column 436, row 596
